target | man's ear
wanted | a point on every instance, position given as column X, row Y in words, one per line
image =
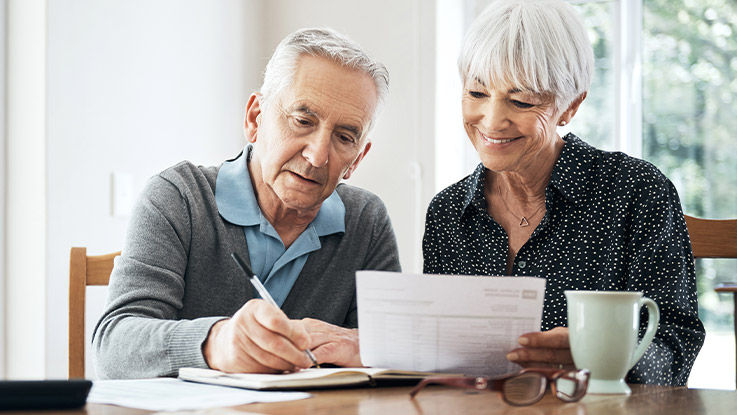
column 253, row 117
column 565, row 118
column 358, row 159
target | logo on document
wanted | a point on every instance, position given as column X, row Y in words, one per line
column 529, row 294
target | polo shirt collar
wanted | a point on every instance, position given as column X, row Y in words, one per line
column 236, row 200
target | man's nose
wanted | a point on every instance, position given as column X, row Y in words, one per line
column 317, row 149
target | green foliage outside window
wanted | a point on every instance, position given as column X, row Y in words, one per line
column 689, row 113
column 690, row 120
column 594, row 122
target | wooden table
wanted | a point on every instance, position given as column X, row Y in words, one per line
column 444, row 400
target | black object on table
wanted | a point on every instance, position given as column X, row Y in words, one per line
column 43, row 394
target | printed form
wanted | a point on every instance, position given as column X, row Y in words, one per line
column 445, row 323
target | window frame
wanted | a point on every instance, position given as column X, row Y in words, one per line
column 628, row 77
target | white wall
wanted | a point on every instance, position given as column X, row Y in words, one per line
column 134, row 87
column 3, row 60
column 399, row 167
column 25, row 231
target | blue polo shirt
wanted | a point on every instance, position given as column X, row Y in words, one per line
column 276, row 266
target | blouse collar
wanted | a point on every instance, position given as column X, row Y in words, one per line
column 571, row 174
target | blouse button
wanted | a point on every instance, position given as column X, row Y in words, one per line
column 522, row 264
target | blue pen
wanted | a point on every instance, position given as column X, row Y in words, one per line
column 264, row 293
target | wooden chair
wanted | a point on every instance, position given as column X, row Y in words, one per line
column 83, row 271
column 716, row 238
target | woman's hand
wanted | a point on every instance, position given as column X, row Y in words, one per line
column 544, row 348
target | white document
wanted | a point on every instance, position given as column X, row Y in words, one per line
column 445, row 323
column 169, row 394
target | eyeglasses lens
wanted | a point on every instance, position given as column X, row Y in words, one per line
column 571, row 386
column 524, row 389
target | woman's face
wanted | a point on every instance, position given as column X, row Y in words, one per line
column 512, row 130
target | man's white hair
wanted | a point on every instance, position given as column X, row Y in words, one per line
column 531, row 45
column 322, row 42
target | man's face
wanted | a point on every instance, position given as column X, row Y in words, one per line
column 311, row 134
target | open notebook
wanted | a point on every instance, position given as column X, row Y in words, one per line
column 305, row 379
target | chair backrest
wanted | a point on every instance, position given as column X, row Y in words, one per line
column 83, row 271
column 712, row 238
column 716, row 238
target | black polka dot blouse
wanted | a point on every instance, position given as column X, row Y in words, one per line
column 613, row 222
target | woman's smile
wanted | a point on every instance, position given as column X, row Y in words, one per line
column 498, row 140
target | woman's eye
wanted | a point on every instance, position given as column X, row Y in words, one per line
column 477, row 94
column 520, row 104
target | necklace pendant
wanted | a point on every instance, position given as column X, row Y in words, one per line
column 523, row 223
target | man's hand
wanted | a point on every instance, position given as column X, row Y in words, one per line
column 545, row 348
column 333, row 344
column 259, row 338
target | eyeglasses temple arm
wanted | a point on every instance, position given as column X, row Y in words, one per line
column 496, row 384
column 461, row 382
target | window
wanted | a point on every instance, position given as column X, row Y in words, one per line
column 595, row 121
column 689, row 126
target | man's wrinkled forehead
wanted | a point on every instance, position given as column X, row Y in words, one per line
column 321, row 92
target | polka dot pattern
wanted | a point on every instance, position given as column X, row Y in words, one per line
column 613, row 222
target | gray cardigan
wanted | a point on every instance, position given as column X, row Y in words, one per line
column 175, row 277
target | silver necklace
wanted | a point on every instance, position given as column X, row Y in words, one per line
column 523, row 223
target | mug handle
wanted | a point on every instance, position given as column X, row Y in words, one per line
column 653, row 318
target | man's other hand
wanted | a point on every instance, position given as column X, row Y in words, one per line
column 333, row 344
column 259, row 338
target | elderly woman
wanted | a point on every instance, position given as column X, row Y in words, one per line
column 555, row 207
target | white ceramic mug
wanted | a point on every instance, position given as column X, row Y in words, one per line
column 603, row 329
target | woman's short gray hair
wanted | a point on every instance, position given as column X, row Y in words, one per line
column 326, row 43
column 532, row 45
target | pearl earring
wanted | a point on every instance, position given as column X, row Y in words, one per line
column 562, row 123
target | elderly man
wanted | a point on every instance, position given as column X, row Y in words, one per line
column 177, row 298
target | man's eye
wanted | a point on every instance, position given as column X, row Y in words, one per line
column 346, row 138
column 302, row 122
column 477, row 94
column 520, row 104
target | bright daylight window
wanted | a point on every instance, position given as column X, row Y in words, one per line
column 689, row 131
column 594, row 122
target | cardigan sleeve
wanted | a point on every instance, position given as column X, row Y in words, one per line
column 139, row 334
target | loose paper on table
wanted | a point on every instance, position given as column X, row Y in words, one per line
column 445, row 323
column 169, row 394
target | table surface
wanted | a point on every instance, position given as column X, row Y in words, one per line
column 645, row 399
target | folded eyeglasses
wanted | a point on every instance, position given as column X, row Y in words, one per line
column 524, row 387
